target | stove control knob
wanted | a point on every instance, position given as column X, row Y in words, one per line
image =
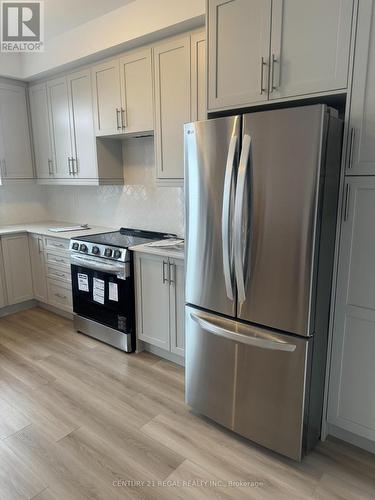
column 83, row 248
column 75, row 246
column 95, row 250
column 108, row 252
column 117, row 254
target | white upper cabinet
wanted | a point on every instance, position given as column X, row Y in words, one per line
column 137, row 110
column 40, row 131
column 238, row 51
column 172, row 106
column 198, row 77
column 275, row 49
column 83, row 163
column 107, row 98
column 361, row 147
column 310, row 45
column 352, row 379
column 58, row 104
column 15, row 146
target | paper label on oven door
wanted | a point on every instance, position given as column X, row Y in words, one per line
column 83, row 282
column 98, row 290
column 113, row 291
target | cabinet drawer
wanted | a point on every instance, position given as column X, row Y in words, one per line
column 60, row 295
column 59, row 274
column 58, row 260
column 58, row 244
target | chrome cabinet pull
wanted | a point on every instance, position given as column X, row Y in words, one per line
column 39, row 246
column 50, row 171
column 70, row 165
column 118, row 118
column 262, row 64
column 346, row 202
column 5, row 167
column 74, row 165
column 172, row 273
column 165, row 279
column 124, row 122
column 351, row 151
column 60, row 296
column 274, row 60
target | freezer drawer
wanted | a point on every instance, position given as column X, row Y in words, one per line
column 248, row 379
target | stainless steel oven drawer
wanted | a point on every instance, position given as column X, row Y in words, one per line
column 248, row 379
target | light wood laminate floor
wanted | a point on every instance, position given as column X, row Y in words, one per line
column 80, row 420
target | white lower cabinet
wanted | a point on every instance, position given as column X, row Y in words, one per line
column 3, row 294
column 38, row 267
column 351, row 405
column 17, row 268
column 160, row 301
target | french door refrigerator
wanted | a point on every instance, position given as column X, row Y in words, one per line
column 261, row 194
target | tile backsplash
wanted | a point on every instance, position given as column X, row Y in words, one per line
column 140, row 203
column 22, row 203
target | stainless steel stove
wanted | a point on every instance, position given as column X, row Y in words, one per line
column 103, row 284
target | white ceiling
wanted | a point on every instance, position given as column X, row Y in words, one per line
column 64, row 15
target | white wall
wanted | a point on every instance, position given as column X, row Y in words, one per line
column 22, row 203
column 10, row 65
column 136, row 22
column 139, row 204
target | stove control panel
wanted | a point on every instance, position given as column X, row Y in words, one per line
column 99, row 251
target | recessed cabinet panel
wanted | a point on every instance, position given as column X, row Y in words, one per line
column 3, row 294
column 17, row 267
column 60, row 127
column 172, row 102
column 107, row 98
column 16, row 161
column 352, row 379
column 238, row 51
column 177, row 306
column 310, row 46
column 41, row 131
column 136, row 88
column 198, row 77
column 38, row 267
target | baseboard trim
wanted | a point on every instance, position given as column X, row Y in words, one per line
column 7, row 310
column 350, row 437
column 53, row 309
column 170, row 356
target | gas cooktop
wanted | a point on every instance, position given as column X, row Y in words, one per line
column 113, row 245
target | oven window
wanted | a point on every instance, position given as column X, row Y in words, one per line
column 104, row 298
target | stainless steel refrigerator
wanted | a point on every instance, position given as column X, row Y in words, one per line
column 261, row 194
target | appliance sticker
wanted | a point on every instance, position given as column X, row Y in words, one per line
column 83, row 282
column 113, row 291
column 98, row 291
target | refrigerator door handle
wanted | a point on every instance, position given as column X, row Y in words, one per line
column 225, row 218
column 256, row 341
column 238, row 209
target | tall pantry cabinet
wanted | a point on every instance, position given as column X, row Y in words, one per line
column 351, row 403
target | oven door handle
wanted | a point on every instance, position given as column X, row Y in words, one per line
column 120, row 270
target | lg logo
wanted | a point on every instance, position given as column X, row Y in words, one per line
column 22, row 24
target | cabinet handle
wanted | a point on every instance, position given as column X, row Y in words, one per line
column 70, row 165
column 351, row 151
column 118, row 118
column 75, row 166
column 50, row 171
column 262, row 64
column 346, row 202
column 39, row 246
column 124, row 121
column 58, row 260
column 274, row 60
column 5, row 167
column 60, row 296
column 58, row 245
column 165, row 279
column 172, row 273
column 60, row 275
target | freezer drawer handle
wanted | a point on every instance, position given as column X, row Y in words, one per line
column 225, row 217
column 238, row 209
column 274, row 345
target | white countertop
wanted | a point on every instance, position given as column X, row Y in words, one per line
column 42, row 228
column 162, row 251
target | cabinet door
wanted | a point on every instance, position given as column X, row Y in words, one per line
column 152, row 288
column 361, row 150
column 238, row 52
column 38, row 267
column 82, row 121
column 136, row 89
column 172, row 103
column 310, row 46
column 60, row 127
column 107, row 98
column 352, row 379
column 3, row 295
column 198, row 77
column 17, row 268
column 17, row 161
column 41, row 132
column 177, row 305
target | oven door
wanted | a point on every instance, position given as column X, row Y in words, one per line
column 103, row 291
